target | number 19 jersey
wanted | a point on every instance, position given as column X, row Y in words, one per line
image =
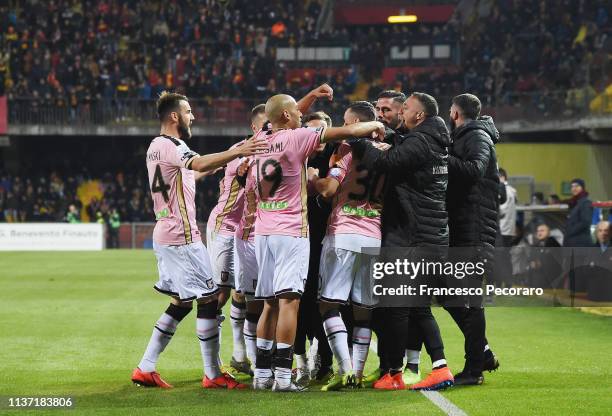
column 281, row 181
column 172, row 186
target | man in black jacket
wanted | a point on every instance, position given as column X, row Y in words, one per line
column 473, row 202
column 578, row 233
column 414, row 216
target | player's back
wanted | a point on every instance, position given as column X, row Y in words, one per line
column 280, row 175
column 357, row 204
column 246, row 225
column 173, row 191
column 225, row 216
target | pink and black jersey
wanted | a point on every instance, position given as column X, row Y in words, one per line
column 357, row 204
column 172, row 186
column 225, row 216
column 281, row 181
column 246, row 226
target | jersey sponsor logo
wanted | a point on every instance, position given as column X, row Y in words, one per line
column 162, row 214
column 273, row 205
column 209, row 284
column 440, row 170
column 360, row 212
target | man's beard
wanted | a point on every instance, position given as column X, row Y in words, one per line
column 453, row 125
column 184, row 131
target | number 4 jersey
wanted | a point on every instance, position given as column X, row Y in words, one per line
column 172, row 184
column 280, row 177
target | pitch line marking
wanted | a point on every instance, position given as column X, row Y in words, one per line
column 441, row 402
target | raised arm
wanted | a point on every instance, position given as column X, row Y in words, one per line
column 322, row 91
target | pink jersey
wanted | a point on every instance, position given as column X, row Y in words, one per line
column 246, row 226
column 225, row 216
column 280, row 176
column 357, row 204
column 172, row 187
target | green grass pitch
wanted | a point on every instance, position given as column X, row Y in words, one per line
column 76, row 324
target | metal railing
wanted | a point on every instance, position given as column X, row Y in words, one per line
column 562, row 106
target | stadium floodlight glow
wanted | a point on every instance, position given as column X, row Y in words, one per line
column 409, row 18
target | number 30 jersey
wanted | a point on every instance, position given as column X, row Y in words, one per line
column 281, row 181
column 172, row 185
column 357, row 204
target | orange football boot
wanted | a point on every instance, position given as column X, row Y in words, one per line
column 438, row 379
column 224, row 381
column 151, row 379
column 389, row 382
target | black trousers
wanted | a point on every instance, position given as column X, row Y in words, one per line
column 397, row 333
column 309, row 323
column 471, row 321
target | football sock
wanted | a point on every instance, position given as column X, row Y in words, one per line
column 438, row 364
column 413, row 359
column 207, row 328
column 362, row 335
column 301, row 361
column 263, row 360
column 335, row 330
column 283, row 361
column 250, row 335
column 162, row 334
column 220, row 319
column 237, row 316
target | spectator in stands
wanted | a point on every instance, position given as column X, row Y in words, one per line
column 507, row 211
column 544, row 262
column 578, row 227
column 113, row 222
column 602, row 234
column 73, row 216
column 543, row 237
column 10, row 207
column 599, row 266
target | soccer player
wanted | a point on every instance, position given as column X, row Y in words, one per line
column 317, row 365
column 281, row 236
column 416, row 170
column 184, row 269
column 244, row 248
column 220, row 231
column 354, row 224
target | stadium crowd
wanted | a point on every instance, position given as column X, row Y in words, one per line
column 104, row 51
column 48, row 198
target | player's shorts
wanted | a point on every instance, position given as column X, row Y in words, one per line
column 184, row 271
column 221, row 250
column 283, row 265
column 245, row 267
column 344, row 275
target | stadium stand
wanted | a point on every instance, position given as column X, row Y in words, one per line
column 101, row 61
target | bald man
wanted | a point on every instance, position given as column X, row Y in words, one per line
column 281, row 231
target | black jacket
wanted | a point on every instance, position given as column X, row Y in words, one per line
column 414, row 207
column 473, row 184
column 578, row 228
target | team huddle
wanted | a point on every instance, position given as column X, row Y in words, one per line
column 283, row 283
